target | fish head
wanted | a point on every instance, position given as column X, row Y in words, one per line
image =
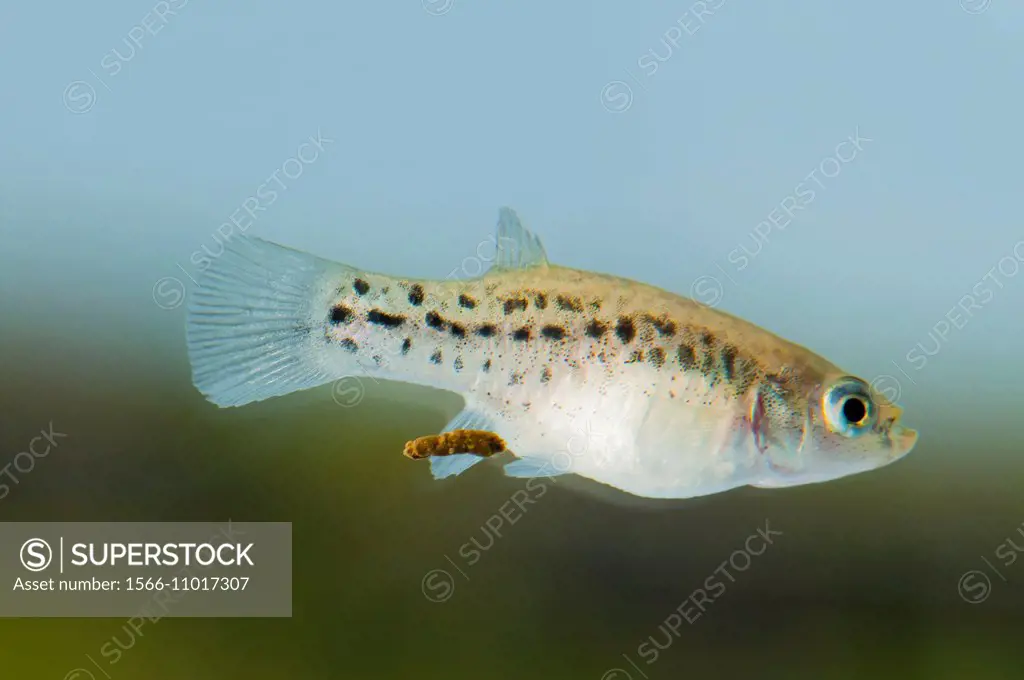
column 824, row 425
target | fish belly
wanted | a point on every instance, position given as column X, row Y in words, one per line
column 628, row 433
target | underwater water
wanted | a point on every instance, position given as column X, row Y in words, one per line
column 847, row 177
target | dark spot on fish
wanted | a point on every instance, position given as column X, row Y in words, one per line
column 657, row 357
column 553, row 332
column 384, row 319
column 458, row 363
column 744, row 374
column 708, row 357
column 687, row 356
column 545, row 374
column 350, row 344
column 362, row 287
column 340, row 314
column 458, row 330
column 664, row 326
column 487, row 330
column 625, row 329
column 434, row 320
column 728, row 362
column 707, row 365
column 596, row 329
column 672, row 394
column 514, row 304
column 435, row 358
column 416, row 295
column 515, row 378
column 569, row 303
column 487, row 366
column 540, row 300
column 377, row 359
column 521, row 334
column 406, row 345
column 466, row 301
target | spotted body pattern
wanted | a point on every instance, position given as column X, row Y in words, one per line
column 579, row 372
column 507, row 331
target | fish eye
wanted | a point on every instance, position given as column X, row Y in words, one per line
column 854, row 409
column 848, row 408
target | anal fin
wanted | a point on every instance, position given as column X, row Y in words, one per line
column 469, row 418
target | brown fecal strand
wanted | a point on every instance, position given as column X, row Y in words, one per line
column 479, row 442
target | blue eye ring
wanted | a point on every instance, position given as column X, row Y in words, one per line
column 848, row 408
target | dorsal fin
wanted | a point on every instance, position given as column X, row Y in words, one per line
column 518, row 247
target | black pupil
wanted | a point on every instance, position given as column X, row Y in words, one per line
column 854, row 410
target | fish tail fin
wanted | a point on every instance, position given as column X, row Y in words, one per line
column 255, row 326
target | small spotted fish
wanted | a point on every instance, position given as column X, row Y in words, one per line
column 579, row 373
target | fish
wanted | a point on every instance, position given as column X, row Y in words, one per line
column 580, row 373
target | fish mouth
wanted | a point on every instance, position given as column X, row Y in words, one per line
column 902, row 439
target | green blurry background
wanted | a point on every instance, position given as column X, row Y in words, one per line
column 863, row 581
column 112, row 181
